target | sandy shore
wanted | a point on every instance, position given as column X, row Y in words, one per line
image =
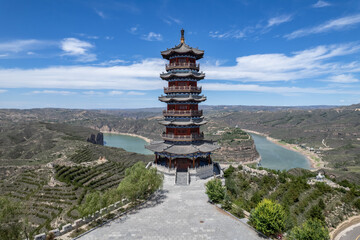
column 314, row 159
column 129, row 134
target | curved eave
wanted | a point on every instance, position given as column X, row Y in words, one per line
column 166, row 76
column 203, row 147
column 182, row 48
column 180, row 123
column 181, row 99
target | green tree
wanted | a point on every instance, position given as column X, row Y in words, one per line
column 215, row 190
column 312, row 229
column 357, row 203
column 91, row 205
column 11, row 226
column 139, row 182
column 316, row 212
column 321, row 204
column 268, row 217
column 226, row 204
column 229, row 171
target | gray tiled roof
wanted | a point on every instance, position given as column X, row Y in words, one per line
column 182, row 48
column 204, row 147
column 191, row 74
column 195, row 98
column 183, row 123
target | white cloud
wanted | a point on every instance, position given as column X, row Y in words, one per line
column 237, row 34
column 142, row 75
column 116, row 92
column 305, row 64
column 267, row 89
column 342, row 78
column 100, row 13
column 134, row 30
column 92, row 93
column 251, row 30
column 52, row 92
column 151, row 36
column 136, row 93
column 313, row 64
column 79, row 49
column 321, row 4
column 170, row 20
column 112, row 62
column 336, row 24
column 17, row 46
column 3, row 90
column 279, row 20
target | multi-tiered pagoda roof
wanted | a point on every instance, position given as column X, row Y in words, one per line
column 183, row 144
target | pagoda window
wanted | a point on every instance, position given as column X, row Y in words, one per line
column 182, row 60
column 182, row 131
column 183, row 107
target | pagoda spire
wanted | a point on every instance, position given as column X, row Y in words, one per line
column 182, row 39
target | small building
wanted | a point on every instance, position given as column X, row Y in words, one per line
column 320, row 177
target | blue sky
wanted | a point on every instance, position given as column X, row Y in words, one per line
column 106, row 54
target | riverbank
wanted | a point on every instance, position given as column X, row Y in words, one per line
column 129, row 134
column 314, row 159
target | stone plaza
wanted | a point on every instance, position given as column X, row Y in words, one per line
column 176, row 212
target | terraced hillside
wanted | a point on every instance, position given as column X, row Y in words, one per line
column 301, row 198
column 48, row 168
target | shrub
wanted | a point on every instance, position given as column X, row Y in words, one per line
column 315, row 212
column 226, row 204
column 357, row 204
column 139, row 182
column 311, row 229
column 215, row 190
column 268, row 217
column 10, row 224
column 229, row 171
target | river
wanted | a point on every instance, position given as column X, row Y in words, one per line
column 272, row 155
column 129, row 143
column 276, row 157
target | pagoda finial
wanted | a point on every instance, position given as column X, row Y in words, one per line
column 182, row 39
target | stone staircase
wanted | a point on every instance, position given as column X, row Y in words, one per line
column 181, row 178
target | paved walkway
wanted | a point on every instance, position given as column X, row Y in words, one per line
column 351, row 233
column 178, row 212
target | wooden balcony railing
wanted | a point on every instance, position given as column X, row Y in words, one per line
column 182, row 113
column 189, row 89
column 182, row 65
column 178, row 138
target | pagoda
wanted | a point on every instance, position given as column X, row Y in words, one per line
column 183, row 144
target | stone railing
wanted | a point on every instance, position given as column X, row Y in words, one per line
column 164, row 169
column 191, row 137
column 182, row 65
column 183, row 113
column 205, row 171
column 80, row 222
column 192, row 89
